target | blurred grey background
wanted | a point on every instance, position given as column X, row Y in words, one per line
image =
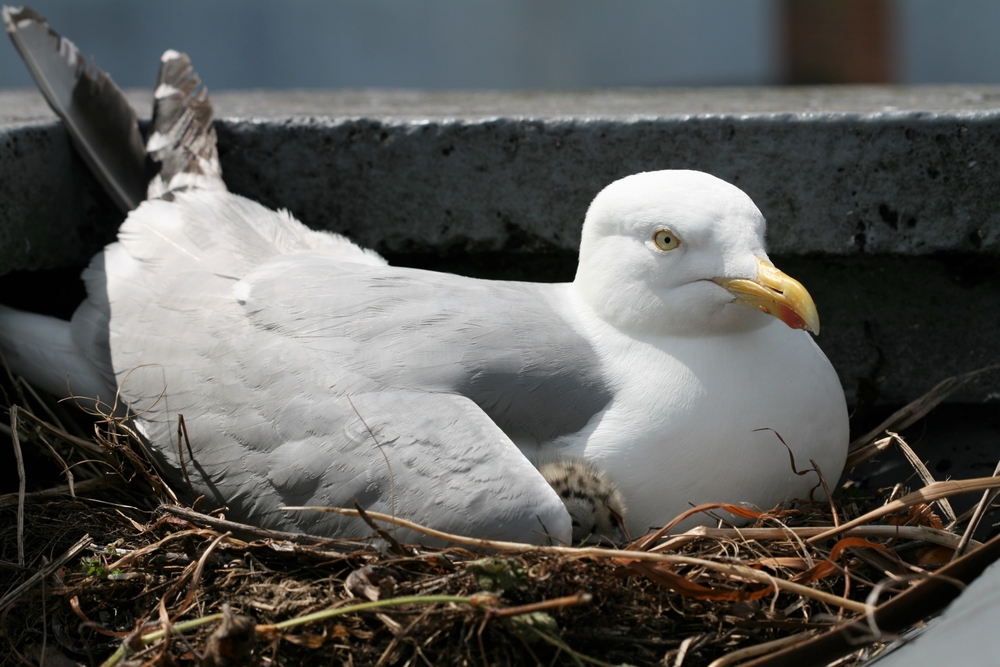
column 517, row 44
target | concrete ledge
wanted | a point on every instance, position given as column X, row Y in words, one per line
column 884, row 202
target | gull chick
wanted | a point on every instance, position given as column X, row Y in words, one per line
column 595, row 504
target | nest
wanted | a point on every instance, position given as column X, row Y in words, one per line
column 117, row 571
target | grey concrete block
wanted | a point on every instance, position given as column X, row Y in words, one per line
column 883, row 201
column 840, row 185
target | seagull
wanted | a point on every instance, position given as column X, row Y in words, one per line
column 595, row 504
column 309, row 372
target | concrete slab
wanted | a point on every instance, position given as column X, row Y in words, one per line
column 622, row 103
column 883, row 201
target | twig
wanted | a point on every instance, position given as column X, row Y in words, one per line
column 21, row 484
column 276, row 628
column 924, row 599
column 132, row 555
column 925, row 475
column 45, row 623
column 394, row 544
column 74, row 604
column 563, row 646
column 557, row 603
column 47, row 494
column 45, row 571
column 70, row 481
column 867, row 452
column 198, row 570
column 151, row 637
column 977, row 515
column 802, row 545
column 86, row 445
column 925, row 533
column 826, row 490
column 644, row 542
column 43, row 404
column 760, row 649
column 242, row 529
column 594, row 552
column 969, row 512
column 182, row 430
column 683, row 650
column 13, row 381
column 364, row 606
column 910, row 413
column 166, row 621
column 928, row 494
column 392, row 477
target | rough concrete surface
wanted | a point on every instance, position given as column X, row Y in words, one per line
column 883, row 201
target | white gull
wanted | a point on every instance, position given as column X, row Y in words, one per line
column 309, row 372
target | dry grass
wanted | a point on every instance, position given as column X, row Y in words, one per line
column 238, row 595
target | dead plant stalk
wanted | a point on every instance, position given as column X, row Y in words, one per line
column 731, row 569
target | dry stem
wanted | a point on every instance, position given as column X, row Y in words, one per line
column 740, row 571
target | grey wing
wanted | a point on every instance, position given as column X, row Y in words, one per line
column 501, row 344
column 268, row 413
column 269, row 429
column 435, row 459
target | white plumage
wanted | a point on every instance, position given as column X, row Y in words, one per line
column 274, row 341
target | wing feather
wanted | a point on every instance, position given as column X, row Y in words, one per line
column 183, row 139
column 99, row 119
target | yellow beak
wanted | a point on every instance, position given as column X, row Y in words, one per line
column 776, row 294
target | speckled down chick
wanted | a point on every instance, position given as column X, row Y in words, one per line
column 594, row 502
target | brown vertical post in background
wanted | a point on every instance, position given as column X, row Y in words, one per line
column 838, row 41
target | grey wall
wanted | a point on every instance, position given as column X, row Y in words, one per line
column 498, row 44
column 428, row 44
column 949, row 42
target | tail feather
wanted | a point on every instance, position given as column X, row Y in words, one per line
column 42, row 350
column 183, row 139
column 97, row 116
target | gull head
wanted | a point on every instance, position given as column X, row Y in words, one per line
column 681, row 252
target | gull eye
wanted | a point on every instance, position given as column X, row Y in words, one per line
column 665, row 239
